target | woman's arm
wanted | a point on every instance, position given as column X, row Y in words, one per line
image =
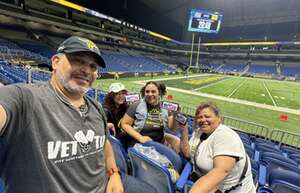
column 171, row 122
column 184, row 141
column 210, row 182
column 127, row 123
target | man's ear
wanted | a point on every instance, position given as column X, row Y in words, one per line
column 55, row 60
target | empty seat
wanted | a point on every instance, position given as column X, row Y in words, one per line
column 284, row 181
column 249, row 151
column 267, row 148
column 290, row 150
column 267, row 164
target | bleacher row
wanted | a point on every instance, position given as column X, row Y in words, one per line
column 276, row 168
column 255, row 69
column 125, row 62
column 116, row 62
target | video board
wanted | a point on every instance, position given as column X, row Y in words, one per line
column 205, row 21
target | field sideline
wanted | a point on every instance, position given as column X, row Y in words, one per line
column 234, row 95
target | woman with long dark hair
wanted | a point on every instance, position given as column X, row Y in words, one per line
column 115, row 107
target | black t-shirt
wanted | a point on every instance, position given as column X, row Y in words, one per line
column 154, row 127
column 114, row 118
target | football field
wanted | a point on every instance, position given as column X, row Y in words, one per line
column 231, row 94
column 271, row 92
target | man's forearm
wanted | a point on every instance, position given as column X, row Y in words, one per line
column 109, row 156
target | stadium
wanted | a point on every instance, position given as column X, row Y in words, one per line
column 241, row 55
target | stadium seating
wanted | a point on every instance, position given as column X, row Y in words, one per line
column 262, row 69
column 212, row 66
column 16, row 51
column 232, row 68
column 117, row 62
column 152, row 172
column 170, row 154
column 249, row 150
column 36, row 47
column 269, row 163
column 120, row 154
column 290, row 71
column 289, row 150
column 295, row 157
column 282, row 181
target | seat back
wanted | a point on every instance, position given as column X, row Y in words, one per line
column 284, row 181
column 277, row 156
column 264, row 141
column 273, row 163
column 267, row 148
column 151, row 172
column 168, row 152
column 290, row 150
column 249, row 151
column 120, row 154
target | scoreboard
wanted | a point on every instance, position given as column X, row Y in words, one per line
column 204, row 21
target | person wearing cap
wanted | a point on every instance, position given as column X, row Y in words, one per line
column 52, row 136
column 115, row 107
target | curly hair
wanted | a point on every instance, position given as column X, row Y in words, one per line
column 160, row 86
column 110, row 104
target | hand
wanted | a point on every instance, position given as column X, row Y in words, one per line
column 183, row 128
column 111, row 128
column 114, row 184
column 144, row 139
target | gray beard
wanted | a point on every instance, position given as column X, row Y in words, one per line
column 73, row 89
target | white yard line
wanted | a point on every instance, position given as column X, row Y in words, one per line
column 205, row 86
column 237, row 101
column 274, row 103
column 239, row 86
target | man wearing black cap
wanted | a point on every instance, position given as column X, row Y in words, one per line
column 52, row 136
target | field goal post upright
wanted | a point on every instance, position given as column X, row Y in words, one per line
column 196, row 66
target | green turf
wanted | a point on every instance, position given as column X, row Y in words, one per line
column 288, row 95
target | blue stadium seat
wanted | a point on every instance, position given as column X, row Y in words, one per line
column 249, row 151
column 152, row 172
column 149, row 171
column 254, row 170
column 120, row 154
column 295, row 157
column 246, row 140
column 260, row 149
column 169, row 153
column 265, row 141
column 277, row 156
column 283, row 181
column 289, row 150
column 267, row 164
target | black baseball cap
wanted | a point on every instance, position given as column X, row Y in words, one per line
column 78, row 44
